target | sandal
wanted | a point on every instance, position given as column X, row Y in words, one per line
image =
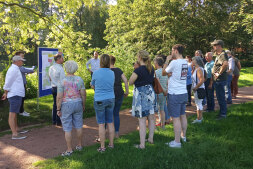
column 101, row 150
column 66, row 153
column 110, row 146
column 146, row 140
column 79, row 148
column 139, row 147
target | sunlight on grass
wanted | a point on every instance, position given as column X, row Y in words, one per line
column 246, row 77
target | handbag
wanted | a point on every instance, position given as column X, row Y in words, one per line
column 157, row 86
column 201, row 92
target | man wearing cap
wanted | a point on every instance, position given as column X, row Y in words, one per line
column 24, row 71
column 14, row 90
column 56, row 74
column 220, row 76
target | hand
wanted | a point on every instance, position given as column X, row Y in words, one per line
column 169, row 74
column 194, row 89
column 126, row 94
column 89, row 70
column 4, row 96
column 168, row 58
column 216, row 75
column 59, row 113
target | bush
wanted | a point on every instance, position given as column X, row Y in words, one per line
column 246, row 63
column 32, row 85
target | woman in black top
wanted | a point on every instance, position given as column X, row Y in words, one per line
column 144, row 97
column 119, row 93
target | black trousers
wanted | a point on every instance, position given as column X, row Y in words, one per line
column 189, row 87
column 55, row 117
column 21, row 110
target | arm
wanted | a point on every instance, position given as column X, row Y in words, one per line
column 211, row 83
column 164, row 72
column 123, row 77
column 83, row 95
column 223, row 68
column 87, row 65
column 200, row 76
column 239, row 65
column 26, row 70
column 58, row 103
column 4, row 95
column 133, row 78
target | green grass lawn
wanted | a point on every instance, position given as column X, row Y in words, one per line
column 212, row 144
column 246, row 77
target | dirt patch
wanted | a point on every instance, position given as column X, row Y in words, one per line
column 48, row 142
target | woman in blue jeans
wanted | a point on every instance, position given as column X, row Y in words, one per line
column 104, row 99
column 119, row 93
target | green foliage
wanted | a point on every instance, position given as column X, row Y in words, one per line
column 32, row 85
column 246, row 77
column 212, row 144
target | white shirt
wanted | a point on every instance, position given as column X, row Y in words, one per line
column 14, row 82
column 196, row 81
column 56, row 74
column 177, row 81
column 95, row 64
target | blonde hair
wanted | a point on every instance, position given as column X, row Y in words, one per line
column 144, row 56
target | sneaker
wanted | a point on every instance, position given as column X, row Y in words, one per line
column 174, row 144
column 25, row 114
column 183, row 139
column 66, row 153
column 18, row 137
column 23, row 131
column 79, row 148
column 197, row 121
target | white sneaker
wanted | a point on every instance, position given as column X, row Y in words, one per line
column 174, row 144
column 18, row 137
column 197, row 121
column 183, row 139
column 25, row 114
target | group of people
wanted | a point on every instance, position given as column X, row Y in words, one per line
column 177, row 76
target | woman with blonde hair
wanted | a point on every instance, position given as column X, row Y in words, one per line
column 144, row 97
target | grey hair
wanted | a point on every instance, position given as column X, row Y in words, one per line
column 199, row 61
column 200, row 52
column 209, row 53
column 228, row 51
column 71, row 66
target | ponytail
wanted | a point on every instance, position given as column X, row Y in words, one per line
column 148, row 65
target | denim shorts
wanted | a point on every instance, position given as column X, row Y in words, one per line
column 177, row 104
column 72, row 115
column 15, row 103
column 104, row 110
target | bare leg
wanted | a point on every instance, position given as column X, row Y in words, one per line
column 183, row 125
column 102, row 134
column 151, row 126
column 177, row 128
column 111, row 133
column 12, row 123
column 162, row 119
column 142, row 131
column 79, row 136
column 199, row 114
column 68, row 138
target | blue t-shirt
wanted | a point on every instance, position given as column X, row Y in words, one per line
column 208, row 68
column 144, row 77
column 103, row 81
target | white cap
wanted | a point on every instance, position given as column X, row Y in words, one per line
column 17, row 58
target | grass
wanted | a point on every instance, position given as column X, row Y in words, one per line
column 246, row 77
column 212, row 144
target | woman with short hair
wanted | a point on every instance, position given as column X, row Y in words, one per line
column 119, row 93
column 198, row 82
column 144, row 97
column 104, row 99
column 71, row 97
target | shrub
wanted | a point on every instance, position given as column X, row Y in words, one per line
column 32, row 85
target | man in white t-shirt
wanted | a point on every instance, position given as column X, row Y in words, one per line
column 177, row 93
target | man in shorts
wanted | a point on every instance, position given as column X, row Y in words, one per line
column 14, row 90
column 177, row 93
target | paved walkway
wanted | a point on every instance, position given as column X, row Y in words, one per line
column 48, row 142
